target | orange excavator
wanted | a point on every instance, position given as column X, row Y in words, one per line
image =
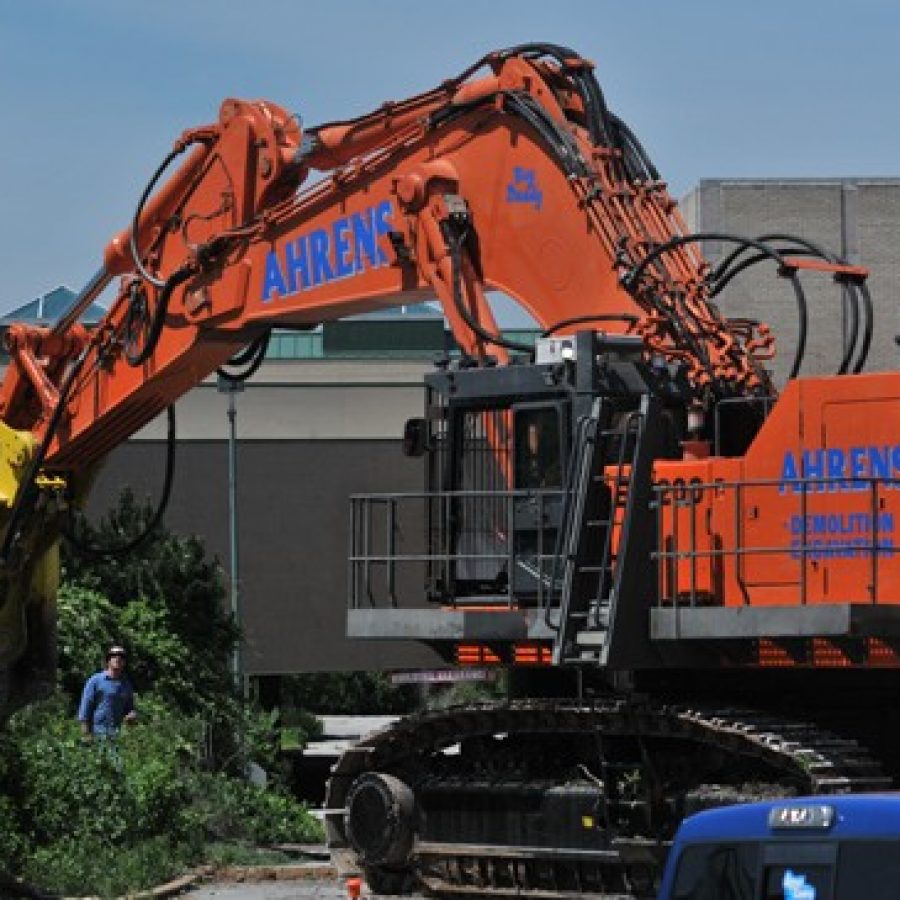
column 691, row 579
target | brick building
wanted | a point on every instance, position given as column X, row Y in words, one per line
column 857, row 218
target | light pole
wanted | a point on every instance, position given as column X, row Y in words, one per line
column 231, row 387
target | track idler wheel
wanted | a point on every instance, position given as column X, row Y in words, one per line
column 379, row 821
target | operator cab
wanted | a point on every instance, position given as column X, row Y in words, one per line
column 506, row 446
column 840, row 847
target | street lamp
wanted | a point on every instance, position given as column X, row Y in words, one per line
column 232, row 387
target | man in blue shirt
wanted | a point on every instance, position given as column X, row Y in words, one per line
column 108, row 698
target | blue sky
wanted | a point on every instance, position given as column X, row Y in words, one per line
column 93, row 92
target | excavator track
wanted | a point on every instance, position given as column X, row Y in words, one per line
column 648, row 766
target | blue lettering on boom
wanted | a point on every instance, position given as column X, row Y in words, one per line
column 347, row 247
column 524, row 188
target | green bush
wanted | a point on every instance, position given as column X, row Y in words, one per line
column 349, row 693
column 105, row 817
column 302, row 726
column 13, row 842
column 227, row 808
column 66, row 788
column 113, row 817
column 120, row 792
column 74, row 867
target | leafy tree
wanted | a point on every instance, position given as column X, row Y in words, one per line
column 116, row 818
column 87, row 622
column 164, row 601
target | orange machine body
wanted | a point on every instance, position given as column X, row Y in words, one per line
column 807, row 516
column 450, row 194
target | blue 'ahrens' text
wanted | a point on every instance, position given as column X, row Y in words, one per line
column 346, row 248
column 834, row 469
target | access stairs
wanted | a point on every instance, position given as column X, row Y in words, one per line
column 606, row 502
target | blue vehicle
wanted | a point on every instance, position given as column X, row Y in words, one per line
column 811, row 848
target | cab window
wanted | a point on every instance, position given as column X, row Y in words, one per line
column 859, row 870
column 537, row 448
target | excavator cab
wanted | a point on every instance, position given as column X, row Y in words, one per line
column 499, row 475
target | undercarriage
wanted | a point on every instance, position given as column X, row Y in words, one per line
column 554, row 798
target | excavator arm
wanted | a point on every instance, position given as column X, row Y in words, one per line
column 519, row 181
column 514, row 176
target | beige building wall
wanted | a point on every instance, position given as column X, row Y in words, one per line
column 318, row 399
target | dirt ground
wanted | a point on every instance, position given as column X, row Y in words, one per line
column 308, row 889
column 301, row 889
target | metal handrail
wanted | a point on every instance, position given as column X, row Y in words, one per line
column 681, row 499
column 363, row 563
column 690, row 496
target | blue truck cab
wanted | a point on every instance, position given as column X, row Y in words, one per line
column 810, row 848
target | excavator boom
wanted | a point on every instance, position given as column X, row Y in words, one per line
column 518, row 181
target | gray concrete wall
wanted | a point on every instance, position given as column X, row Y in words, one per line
column 310, row 434
column 293, row 526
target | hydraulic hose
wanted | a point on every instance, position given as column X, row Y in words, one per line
column 869, row 320
column 584, row 320
column 560, row 144
column 814, row 249
column 563, row 147
column 864, row 299
column 251, row 358
column 455, row 244
column 604, row 127
column 159, row 316
column 856, row 291
column 632, row 278
column 747, row 263
column 132, row 241
column 248, row 354
column 633, row 148
column 597, row 115
column 112, row 552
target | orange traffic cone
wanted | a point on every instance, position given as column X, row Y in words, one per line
column 354, row 886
